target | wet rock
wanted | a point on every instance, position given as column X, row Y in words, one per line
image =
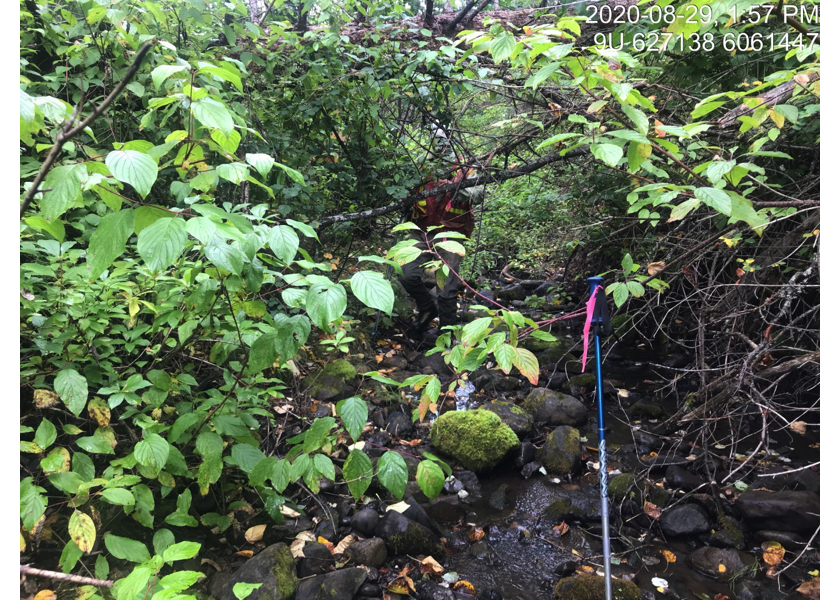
column 480, row 550
column 446, row 508
column 682, row 479
column 332, row 382
column 748, row 590
column 498, row 499
column 399, row 424
column 556, row 382
column 416, row 513
column 371, row 553
column 645, row 410
column 394, row 362
column 592, row 587
column 684, row 520
column 274, row 567
column 727, row 533
column 707, row 560
column 402, row 375
column 506, row 383
column 490, row 595
column 288, row 529
column 527, row 452
column 530, row 469
column 470, row 482
column 568, row 564
column 583, row 505
column 561, row 452
column 478, row 439
column 429, row 590
column 404, row 536
column 511, row 415
column 582, row 384
column 317, row 560
column 512, row 292
column 805, row 480
column 783, row 511
column 628, row 486
column 380, row 438
column 435, row 362
column 547, row 406
column 370, row 590
column 338, row 585
column 785, row 538
column 365, row 521
column 452, row 485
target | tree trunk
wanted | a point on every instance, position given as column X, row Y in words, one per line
column 256, row 10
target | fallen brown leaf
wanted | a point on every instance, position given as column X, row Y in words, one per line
column 798, row 427
column 255, row 533
column 430, row 565
column 810, row 589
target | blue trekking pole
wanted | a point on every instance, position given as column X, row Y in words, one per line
column 598, row 317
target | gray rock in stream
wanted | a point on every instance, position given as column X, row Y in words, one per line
column 547, row 406
column 682, row 479
column 404, row 536
column 512, row 416
column 429, row 590
column 783, row 511
column 371, row 553
column 684, row 520
column 561, row 452
column 575, row 504
column 708, row 560
column 274, row 567
column 338, row 585
column 498, row 499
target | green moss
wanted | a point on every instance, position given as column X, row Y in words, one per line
column 562, row 461
column 535, row 345
column 619, row 487
column 478, row 439
column 413, row 540
column 621, row 324
column 285, row 573
column 340, row 368
column 729, row 532
column 591, row 587
column 645, row 410
column 558, row 510
column 584, row 380
column 659, row 496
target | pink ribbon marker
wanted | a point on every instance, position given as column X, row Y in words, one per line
column 590, row 310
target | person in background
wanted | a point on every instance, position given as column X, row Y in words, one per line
column 452, row 211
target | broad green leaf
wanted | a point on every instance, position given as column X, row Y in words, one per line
column 223, row 74
column 504, row 356
column 108, row 241
column 134, row 168
column 637, row 153
column 292, row 333
column 502, row 47
column 243, row 590
column 627, row 264
column 608, row 153
column 202, row 228
column 358, row 473
column 179, row 581
column 161, row 73
column 638, row 118
column 213, row 114
column 72, row 388
column 65, row 185
column 152, row 451
column 373, row 290
column 620, row 293
column 430, row 478
column 55, row 228
column 181, row 551
column 27, row 107
column 126, row 549
column 135, row 584
column 262, row 353
column 717, row 199
column 70, row 556
column 280, row 475
column 226, row 142
column 45, row 434
column 225, row 256
column 742, row 210
column 325, row 303
column 680, row 211
column 162, row 539
column 33, row 502
column 703, row 109
column 284, row 242
column 392, row 473
column 718, row 169
column 261, row 162
column 234, row 172
column 636, row 288
column 303, row 228
column 146, row 215
column 246, row 457
column 354, row 414
column 451, row 246
column 209, row 472
column 527, row 363
column 474, row 331
column 119, row 496
column 543, row 74
column 209, row 443
column 295, row 175
column 324, row 466
column 162, row 242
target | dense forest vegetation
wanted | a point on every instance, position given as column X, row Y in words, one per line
column 213, row 203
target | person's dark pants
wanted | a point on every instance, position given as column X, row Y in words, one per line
column 447, row 298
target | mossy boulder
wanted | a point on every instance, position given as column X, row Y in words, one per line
column 332, row 382
column 511, row 415
column 591, row 587
column 561, row 452
column 574, row 504
column 274, row 567
column 727, row 533
column 478, row 439
column 404, row 536
column 548, row 406
column 645, row 410
column 632, row 487
column 622, row 325
column 582, row 384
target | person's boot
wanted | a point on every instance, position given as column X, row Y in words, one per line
column 426, row 316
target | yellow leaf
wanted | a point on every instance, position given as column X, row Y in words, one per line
column 430, row 565
column 82, row 531
column 45, row 398
column 99, row 411
column 255, row 533
column 245, row 553
column 774, row 552
column 327, row 543
column 464, row 587
column 22, row 543
column 777, row 118
column 669, row 556
column 721, row 568
column 45, row 595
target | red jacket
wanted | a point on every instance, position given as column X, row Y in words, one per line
column 441, row 210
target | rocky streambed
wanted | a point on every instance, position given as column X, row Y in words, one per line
column 519, row 518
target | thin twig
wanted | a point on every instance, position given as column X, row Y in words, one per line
column 27, row 570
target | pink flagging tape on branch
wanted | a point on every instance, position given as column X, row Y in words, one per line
column 590, row 310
